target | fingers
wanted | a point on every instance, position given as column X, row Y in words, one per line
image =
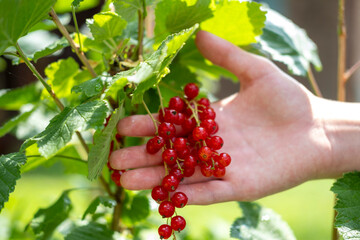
column 246, row 66
column 136, row 126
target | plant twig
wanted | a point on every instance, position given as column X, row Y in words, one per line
column 39, row 77
column 352, row 70
column 106, row 186
column 140, row 34
column 313, row 83
column 341, row 51
column 66, row 34
column 119, row 197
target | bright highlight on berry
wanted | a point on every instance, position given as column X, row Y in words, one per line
column 181, row 155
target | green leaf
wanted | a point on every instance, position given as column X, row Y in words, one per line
column 62, row 127
column 259, row 223
column 92, row 87
column 128, row 9
column 56, row 46
column 347, row 205
column 9, row 172
column 140, row 208
column 174, row 15
column 237, row 22
column 285, row 42
column 12, row 123
column 106, row 25
column 100, row 200
column 14, row 99
column 153, row 69
column 17, row 18
column 99, row 153
column 92, row 231
column 61, row 76
column 76, row 3
column 46, row 220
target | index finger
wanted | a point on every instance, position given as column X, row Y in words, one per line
column 136, row 126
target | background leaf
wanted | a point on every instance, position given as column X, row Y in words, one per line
column 128, row 9
column 9, row 174
column 92, row 231
column 259, row 223
column 106, row 25
column 347, row 205
column 12, row 123
column 17, row 18
column 56, row 46
column 14, row 99
column 100, row 200
column 285, row 42
column 237, row 22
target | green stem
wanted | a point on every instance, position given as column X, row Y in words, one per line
column 151, row 116
column 77, row 28
column 39, row 77
column 140, row 34
column 61, row 156
column 161, row 100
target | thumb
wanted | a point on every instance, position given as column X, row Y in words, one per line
column 246, row 66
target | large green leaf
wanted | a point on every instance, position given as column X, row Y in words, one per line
column 237, row 22
column 46, row 220
column 347, row 205
column 12, row 123
column 259, row 223
column 52, row 48
column 62, row 127
column 99, row 153
column 128, row 9
column 9, row 172
column 106, row 25
column 285, row 42
column 175, row 15
column 135, row 208
column 14, row 99
column 92, row 231
column 18, row 16
column 100, row 200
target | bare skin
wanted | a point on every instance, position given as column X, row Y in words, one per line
column 278, row 134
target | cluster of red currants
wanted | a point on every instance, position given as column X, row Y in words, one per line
column 115, row 174
column 195, row 145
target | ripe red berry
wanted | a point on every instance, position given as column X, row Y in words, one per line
column 180, row 118
column 223, row 159
column 219, row 171
column 166, row 209
column 207, row 170
column 159, row 193
column 205, row 153
column 167, row 130
column 178, row 223
column 183, row 153
column 180, row 143
column 215, row 142
column 177, row 103
column 210, row 125
column 165, row 231
column 191, row 90
column 116, row 176
column 189, row 124
column 177, row 173
column 199, row 133
column 203, row 103
column 171, row 116
column 207, row 113
column 188, row 171
column 170, row 183
column 169, row 156
column 190, row 161
column 154, row 144
column 179, row 199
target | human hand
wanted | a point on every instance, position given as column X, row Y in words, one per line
column 269, row 129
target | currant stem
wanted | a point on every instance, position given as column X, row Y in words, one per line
column 313, row 83
column 77, row 28
column 151, row 116
column 194, row 111
column 161, row 100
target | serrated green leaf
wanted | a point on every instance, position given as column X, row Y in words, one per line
column 259, row 223
column 61, row 75
column 12, row 123
column 9, row 173
column 140, row 208
column 46, row 220
column 99, row 153
column 92, row 87
column 14, row 99
column 17, row 18
column 100, row 200
column 92, row 231
column 237, row 22
column 62, row 127
column 347, row 205
column 56, row 46
column 128, row 9
column 288, row 43
column 76, row 3
column 106, row 25
column 175, row 15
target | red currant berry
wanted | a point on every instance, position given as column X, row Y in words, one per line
column 116, row 176
column 189, row 124
column 155, row 144
column 162, row 114
column 118, row 138
column 190, row 161
column 171, row 116
column 183, row 153
column 159, row 193
column 167, row 130
column 179, row 119
column 178, row 223
column 223, row 159
column 207, row 113
column 180, row 143
column 219, row 171
column 210, row 125
column 177, row 103
column 179, row 199
column 166, row 209
column 170, row 183
column 188, row 171
column 189, row 110
column 204, row 103
column 215, row 142
column 165, row 231
column 199, row 133
column 177, row 173
column 169, row 156
column 207, row 170
column 191, row 90
column 205, row 153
